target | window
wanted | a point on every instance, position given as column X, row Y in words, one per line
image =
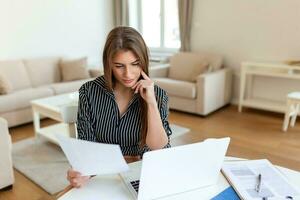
column 159, row 24
column 151, row 22
column 171, row 24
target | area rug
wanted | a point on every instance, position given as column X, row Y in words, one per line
column 45, row 164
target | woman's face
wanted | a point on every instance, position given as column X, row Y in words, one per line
column 126, row 68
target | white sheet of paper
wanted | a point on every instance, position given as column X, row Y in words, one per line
column 91, row 158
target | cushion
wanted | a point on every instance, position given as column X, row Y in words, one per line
column 5, row 86
column 187, row 66
column 215, row 61
column 15, row 73
column 96, row 72
column 21, row 99
column 177, row 88
column 43, row 71
column 74, row 69
column 65, row 87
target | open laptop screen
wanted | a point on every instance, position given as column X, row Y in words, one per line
column 179, row 169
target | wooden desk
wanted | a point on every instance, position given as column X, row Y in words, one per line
column 249, row 69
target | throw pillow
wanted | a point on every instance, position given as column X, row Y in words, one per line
column 187, row 66
column 14, row 71
column 74, row 69
column 5, row 86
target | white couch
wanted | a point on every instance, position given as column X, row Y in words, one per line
column 201, row 84
column 32, row 79
column 6, row 168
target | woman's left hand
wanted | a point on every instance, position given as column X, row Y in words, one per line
column 146, row 88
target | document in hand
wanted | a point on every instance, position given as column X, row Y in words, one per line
column 91, row 158
column 258, row 179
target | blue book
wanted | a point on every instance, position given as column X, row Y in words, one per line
column 227, row 194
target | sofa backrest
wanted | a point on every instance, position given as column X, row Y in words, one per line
column 15, row 73
column 43, row 71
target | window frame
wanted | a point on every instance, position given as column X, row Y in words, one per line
column 160, row 49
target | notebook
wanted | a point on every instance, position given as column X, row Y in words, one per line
column 258, row 179
column 227, row 194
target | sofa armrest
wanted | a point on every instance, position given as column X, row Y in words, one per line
column 95, row 72
column 214, row 90
column 159, row 70
column 6, row 169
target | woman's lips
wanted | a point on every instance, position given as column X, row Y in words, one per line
column 128, row 81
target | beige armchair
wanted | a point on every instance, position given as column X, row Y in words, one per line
column 195, row 82
column 6, row 168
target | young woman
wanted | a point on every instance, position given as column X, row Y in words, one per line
column 124, row 106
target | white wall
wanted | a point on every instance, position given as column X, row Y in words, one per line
column 254, row 30
column 70, row 28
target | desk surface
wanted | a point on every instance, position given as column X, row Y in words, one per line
column 112, row 187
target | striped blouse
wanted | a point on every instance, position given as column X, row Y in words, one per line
column 99, row 120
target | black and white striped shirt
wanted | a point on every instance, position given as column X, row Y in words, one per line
column 98, row 118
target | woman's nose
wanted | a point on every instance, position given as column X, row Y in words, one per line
column 127, row 71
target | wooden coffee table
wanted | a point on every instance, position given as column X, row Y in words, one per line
column 52, row 107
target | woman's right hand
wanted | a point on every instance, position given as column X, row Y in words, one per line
column 76, row 179
column 130, row 159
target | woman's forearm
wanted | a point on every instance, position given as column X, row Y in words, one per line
column 156, row 135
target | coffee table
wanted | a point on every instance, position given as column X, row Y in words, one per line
column 55, row 107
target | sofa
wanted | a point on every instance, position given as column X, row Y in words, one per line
column 30, row 79
column 195, row 82
column 6, row 167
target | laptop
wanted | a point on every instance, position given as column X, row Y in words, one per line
column 177, row 170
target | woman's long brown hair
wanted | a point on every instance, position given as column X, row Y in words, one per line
column 128, row 39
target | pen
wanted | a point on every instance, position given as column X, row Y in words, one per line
column 259, row 182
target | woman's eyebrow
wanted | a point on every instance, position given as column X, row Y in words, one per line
column 137, row 60
column 118, row 63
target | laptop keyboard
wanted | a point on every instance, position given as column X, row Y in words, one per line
column 135, row 185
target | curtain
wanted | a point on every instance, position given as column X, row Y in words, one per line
column 121, row 12
column 185, row 13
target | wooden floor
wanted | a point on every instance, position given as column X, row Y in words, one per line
column 254, row 134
